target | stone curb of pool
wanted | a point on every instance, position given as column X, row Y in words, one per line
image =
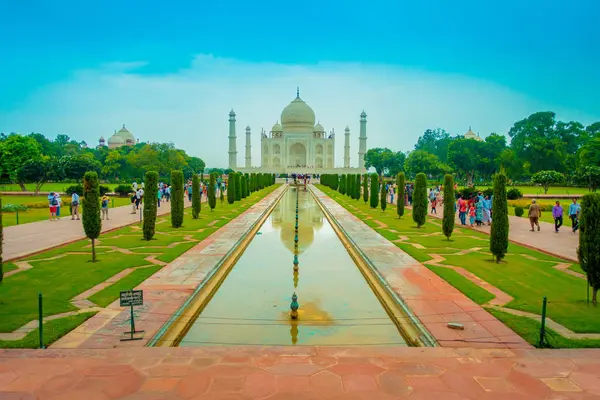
column 413, row 332
column 173, row 331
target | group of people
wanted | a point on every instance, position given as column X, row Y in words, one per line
column 535, row 213
column 477, row 207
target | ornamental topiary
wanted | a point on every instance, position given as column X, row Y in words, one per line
column 177, row 198
column 519, row 211
column 212, row 187
column 420, row 200
column 343, row 184
column 499, row 231
column 400, row 183
column 231, row 188
column 92, row 225
column 374, row 200
column 449, row 214
column 513, row 194
column 244, row 186
column 383, row 197
column 589, row 241
column 365, row 186
column 357, row 187
column 238, row 186
column 195, row 196
column 150, row 204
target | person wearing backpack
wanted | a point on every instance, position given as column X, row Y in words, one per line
column 104, row 203
column 133, row 203
column 52, row 204
column 74, row 206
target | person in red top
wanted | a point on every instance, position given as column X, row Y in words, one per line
column 462, row 210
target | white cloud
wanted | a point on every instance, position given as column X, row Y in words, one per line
column 190, row 107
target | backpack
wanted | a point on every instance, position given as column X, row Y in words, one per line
column 54, row 201
column 104, row 203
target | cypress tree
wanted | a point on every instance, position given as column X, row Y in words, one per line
column 238, row 186
column 177, row 198
column 383, row 197
column 400, row 183
column 92, row 225
column 231, row 188
column 150, row 204
column 499, row 231
column 365, row 184
column 221, row 195
column 374, row 201
column 1, row 241
column 195, row 196
column 252, row 188
column 243, row 185
column 357, row 186
column 349, row 186
column 343, row 184
column 589, row 241
column 449, row 215
column 420, row 200
column 212, row 187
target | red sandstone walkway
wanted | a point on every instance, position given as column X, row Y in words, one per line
column 25, row 239
column 299, row 373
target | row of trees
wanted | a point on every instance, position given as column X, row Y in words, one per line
column 537, row 143
column 36, row 159
column 240, row 185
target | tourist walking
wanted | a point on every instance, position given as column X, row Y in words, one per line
column 104, row 206
column 487, row 210
column 535, row 213
column 159, row 194
column 557, row 214
column 133, row 202
column 52, row 203
column 434, row 206
column 472, row 213
column 574, row 211
column 462, row 210
column 74, row 206
column 479, row 211
column 58, row 204
column 189, row 192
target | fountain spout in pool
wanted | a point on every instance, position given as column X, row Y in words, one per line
column 294, row 306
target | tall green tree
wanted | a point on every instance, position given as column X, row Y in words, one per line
column 150, row 204
column 547, row 179
column 589, row 241
column 422, row 161
column 15, row 151
column 449, row 215
column 500, row 226
column 374, row 200
column 1, row 243
column 92, row 224
column 343, row 184
column 238, row 186
column 419, row 205
column 383, row 197
column 400, row 183
column 384, row 161
column 177, row 203
column 231, row 188
column 434, row 141
column 365, row 184
column 195, row 196
column 212, row 187
column 357, row 187
column 464, row 156
column 244, row 186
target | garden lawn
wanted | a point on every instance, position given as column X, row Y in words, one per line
column 47, row 187
column 62, row 273
column 527, row 275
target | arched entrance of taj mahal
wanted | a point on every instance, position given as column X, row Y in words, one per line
column 297, row 155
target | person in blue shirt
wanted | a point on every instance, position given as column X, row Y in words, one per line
column 574, row 211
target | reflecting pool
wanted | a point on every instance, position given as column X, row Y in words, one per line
column 252, row 306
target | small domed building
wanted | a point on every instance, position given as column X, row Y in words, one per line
column 121, row 138
column 472, row 135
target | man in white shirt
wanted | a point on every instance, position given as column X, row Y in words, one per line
column 74, row 206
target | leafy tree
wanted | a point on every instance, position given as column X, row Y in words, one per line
column 547, row 178
column 38, row 171
column 589, row 241
column 434, row 141
column 113, row 163
column 238, row 186
column 15, row 150
column 374, row 201
column 365, row 183
column 401, row 183
column 422, row 161
column 150, row 204
column 383, row 197
column 231, row 188
column 212, row 187
column 384, row 161
column 177, row 203
column 75, row 166
column 500, row 226
column 589, row 175
column 449, row 214
column 92, row 224
column 464, row 156
column 357, row 187
column 195, row 196
column 419, row 205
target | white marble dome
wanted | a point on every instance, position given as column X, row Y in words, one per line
column 298, row 114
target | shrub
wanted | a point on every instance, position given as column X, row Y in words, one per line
column 499, row 231
column 91, row 209
column 589, row 241
column 365, row 186
column 420, row 200
column 195, row 196
column 16, row 207
column 150, row 204
column 514, row 194
column 212, row 187
column 401, row 183
column 75, row 189
column 449, row 213
column 547, row 178
column 374, row 200
column 177, row 198
column 383, row 197
column 519, row 211
column 231, row 188
column 123, row 190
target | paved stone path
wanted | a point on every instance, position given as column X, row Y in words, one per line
column 34, row 237
column 433, row 301
column 563, row 244
column 290, row 373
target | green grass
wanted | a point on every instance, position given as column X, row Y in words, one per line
column 47, row 187
column 109, row 294
column 471, row 290
column 552, row 190
column 53, row 330
column 63, row 278
column 526, row 280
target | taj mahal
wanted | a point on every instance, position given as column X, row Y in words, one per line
column 297, row 144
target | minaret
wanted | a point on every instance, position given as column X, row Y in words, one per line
column 347, row 148
column 248, row 149
column 362, row 140
column 232, row 138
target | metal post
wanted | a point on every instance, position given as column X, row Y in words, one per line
column 40, row 321
column 17, row 217
column 132, row 323
column 588, row 291
column 543, row 327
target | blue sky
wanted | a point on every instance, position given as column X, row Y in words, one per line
column 84, row 69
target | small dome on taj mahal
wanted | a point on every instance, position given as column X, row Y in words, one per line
column 276, row 127
column 319, row 128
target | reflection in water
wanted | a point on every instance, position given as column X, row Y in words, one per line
column 336, row 305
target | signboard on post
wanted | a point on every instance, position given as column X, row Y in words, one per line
column 129, row 298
